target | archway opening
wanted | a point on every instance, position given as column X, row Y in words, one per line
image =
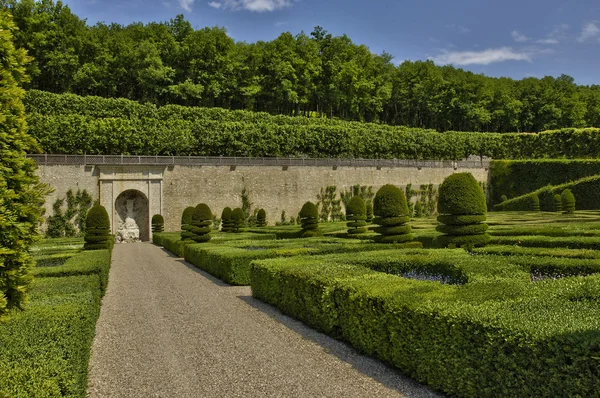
column 132, row 217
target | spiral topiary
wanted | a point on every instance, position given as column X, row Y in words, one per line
column 97, row 233
column 534, row 202
column 309, row 218
column 568, row 201
column 391, row 214
column 462, row 209
column 186, row 223
column 356, row 214
column 238, row 219
column 261, row 218
column 158, row 223
column 201, row 222
column 369, row 206
column 557, row 203
column 226, row 221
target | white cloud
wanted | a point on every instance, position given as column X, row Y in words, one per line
column 590, row 31
column 485, row 57
column 458, row 28
column 518, row 36
column 251, row 5
column 186, row 4
column 548, row 41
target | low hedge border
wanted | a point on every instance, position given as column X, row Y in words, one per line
column 172, row 242
column 571, row 242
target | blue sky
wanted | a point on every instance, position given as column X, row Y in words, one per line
column 498, row 38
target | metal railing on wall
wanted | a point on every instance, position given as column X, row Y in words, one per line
column 53, row 159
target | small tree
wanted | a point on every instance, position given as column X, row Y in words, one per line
column 226, row 222
column 97, row 234
column 557, row 203
column 158, row 223
column 261, row 218
column 186, row 223
column 309, row 217
column 391, row 211
column 568, row 201
column 462, row 209
column 238, row 219
column 534, row 202
column 201, row 222
column 356, row 214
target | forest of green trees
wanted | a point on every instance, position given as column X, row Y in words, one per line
column 313, row 74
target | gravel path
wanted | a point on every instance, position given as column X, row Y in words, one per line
column 167, row 329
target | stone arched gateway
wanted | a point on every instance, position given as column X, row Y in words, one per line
column 131, row 194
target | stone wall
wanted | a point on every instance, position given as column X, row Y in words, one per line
column 274, row 188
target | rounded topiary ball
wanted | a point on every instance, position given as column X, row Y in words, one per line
column 237, row 219
column 201, row 222
column 158, row 223
column 557, row 203
column 461, row 194
column 568, row 201
column 97, row 233
column 261, row 218
column 226, row 224
column 390, row 202
column 309, row 218
column 356, row 214
column 462, row 208
column 186, row 223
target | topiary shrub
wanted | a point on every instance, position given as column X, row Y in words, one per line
column 261, row 218
column 97, row 233
column 226, row 221
column 568, row 201
column 503, row 198
column 186, row 223
column 201, row 222
column 419, row 209
column 369, row 206
column 158, row 223
column 237, row 219
column 462, row 209
column 309, row 218
column 391, row 214
column 557, row 203
column 356, row 214
column 534, row 202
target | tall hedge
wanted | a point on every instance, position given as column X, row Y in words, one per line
column 309, row 218
column 226, row 221
column 97, row 233
column 462, row 209
column 186, row 223
column 21, row 195
column 392, row 215
column 261, row 218
column 238, row 219
column 201, row 222
column 568, row 201
column 356, row 214
column 158, row 223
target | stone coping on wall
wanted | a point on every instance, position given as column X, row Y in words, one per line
column 54, row 159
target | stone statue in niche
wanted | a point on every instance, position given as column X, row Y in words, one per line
column 128, row 230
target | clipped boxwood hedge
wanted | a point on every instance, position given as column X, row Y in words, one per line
column 201, row 222
column 97, row 233
column 158, row 223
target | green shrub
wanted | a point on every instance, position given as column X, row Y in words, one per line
column 568, row 201
column 557, row 205
column 226, row 221
column 356, row 214
column 238, row 219
column 186, row 223
column 369, row 207
column 534, row 202
column 158, row 223
column 201, row 222
column 391, row 211
column 309, row 217
column 503, row 198
column 462, row 208
column 97, row 234
column 419, row 209
column 261, row 218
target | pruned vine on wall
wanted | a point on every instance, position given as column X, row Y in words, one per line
column 69, row 222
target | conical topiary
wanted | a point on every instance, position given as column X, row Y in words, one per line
column 97, row 233
column 186, row 223
column 568, row 201
column 462, row 209
column 356, row 214
column 557, row 203
column 238, row 219
column 391, row 214
column 261, row 218
column 158, row 223
column 309, row 217
column 201, row 222
column 226, row 221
